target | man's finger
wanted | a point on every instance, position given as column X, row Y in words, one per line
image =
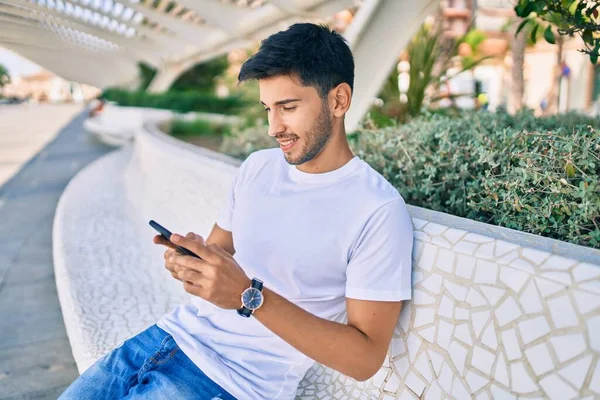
column 197, row 246
column 189, row 262
column 159, row 239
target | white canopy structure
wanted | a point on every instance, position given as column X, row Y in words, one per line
column 100, row 42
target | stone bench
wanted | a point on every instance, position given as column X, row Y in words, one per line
column 495, row 313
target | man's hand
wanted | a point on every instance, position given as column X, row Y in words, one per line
column 216, row 278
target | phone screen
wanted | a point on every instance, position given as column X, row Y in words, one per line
column 167, row 235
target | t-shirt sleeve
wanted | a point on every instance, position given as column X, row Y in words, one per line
column 380, row 265
column 226, row 213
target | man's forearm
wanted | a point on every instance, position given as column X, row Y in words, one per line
column 338, row 346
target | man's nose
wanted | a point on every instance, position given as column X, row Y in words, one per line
column 276, row 125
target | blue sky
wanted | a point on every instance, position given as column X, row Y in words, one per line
column 17, row 65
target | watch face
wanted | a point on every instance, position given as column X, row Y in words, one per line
column 252, row 298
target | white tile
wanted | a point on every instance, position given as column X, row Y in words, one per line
column 458, row 354
column 441, row 242
column 423, row 316
column 562, row 312
column 428, row 334
column 436, row 361
column 445, row 378
column 501, row 371
column 585, row 271
column 422, row 366
column 420, row 297
column 533, row 329
column 434, row 229
column 434, row 393
column 392, row 384
column 402, row 365
column 444, row 334
column 577, row 371
column 398, row 347
column 539, row 359
column 592, row 286
column 513, row 278
column 479, row 319
column 499, row 393
column 523, row 265
column 379, row 378
column 417, row 249
column 593, row 329
column 558, row 262
column 465, row 266
column 485, row 250
column 476, row 238
column 507, row 312
column 548, row 287
column 428, row 257
column 433, row 283
column 586, row 302
column 459, row 392
column 475, row 381
column 461, row 314
column 556, row 388
column 521, row 382
column 530, row 299
column 503, row 247
column 465, row 247
column 511, row 344
column 459, row 292
column 489, row 337
column 413, row 345
column 445, row 261
column 492, row 294
column 536, row 256
column 508, row 258
column 485, row 272
column 419, row 223
column 462, row 333
column 567, row 347
column 405, row 315
column 415, row 383
column 422, row 236
column 417, row 277
column 407, row 395
column 475, row 299
column 595, row 382
column 446, row 307
column 482, row 360
column 482, row 396
column 453, row 235
column 563, row 278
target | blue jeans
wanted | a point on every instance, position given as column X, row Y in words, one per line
column 149, row 365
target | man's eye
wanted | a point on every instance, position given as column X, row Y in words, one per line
column 288, row 108
column 267, row 109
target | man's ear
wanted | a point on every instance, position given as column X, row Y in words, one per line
column 340, row 99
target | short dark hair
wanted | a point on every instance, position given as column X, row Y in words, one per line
column 320, row 57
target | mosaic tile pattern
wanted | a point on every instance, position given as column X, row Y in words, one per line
column 489, row 319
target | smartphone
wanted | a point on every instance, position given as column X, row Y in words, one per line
column 167, row 235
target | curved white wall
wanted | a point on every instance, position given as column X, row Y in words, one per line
column 496, row 313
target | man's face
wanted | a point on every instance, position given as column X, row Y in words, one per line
column 298, row 118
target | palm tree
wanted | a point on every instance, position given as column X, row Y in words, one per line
column 4, row 77
column 519, row 42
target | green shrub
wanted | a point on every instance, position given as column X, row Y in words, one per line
column 179, row 101
column 537, row 175
column 244, row 141
column 197, row 127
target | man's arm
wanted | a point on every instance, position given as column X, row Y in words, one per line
column 222, row 238
column 357, row 349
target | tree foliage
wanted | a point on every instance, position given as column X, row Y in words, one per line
column 567, row 17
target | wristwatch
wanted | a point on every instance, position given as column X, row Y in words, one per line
column 252, row 298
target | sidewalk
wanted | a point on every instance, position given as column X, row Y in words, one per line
column 35, row 356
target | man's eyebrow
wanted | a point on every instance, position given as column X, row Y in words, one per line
column 281, row 102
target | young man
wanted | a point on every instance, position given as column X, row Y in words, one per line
column 309, row 260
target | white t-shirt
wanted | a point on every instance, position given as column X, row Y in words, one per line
column 315, row 239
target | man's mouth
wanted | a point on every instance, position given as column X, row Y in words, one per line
column 287, row 144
